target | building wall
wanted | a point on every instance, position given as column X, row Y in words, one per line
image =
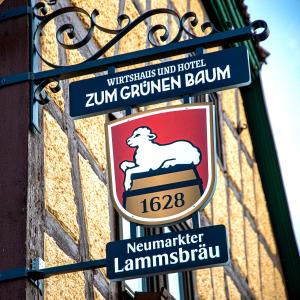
column 79, row 219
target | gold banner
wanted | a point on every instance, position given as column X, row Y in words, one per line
column 164, row 202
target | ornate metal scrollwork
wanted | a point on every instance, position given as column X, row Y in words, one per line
column 158, row 34
column 155, row 39
column 185, row 24
column 191, row 19
column 39, row 93
column 154, row 35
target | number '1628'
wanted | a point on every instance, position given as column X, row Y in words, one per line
column 155, row 203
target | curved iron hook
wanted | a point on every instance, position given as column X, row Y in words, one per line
column 39, row 93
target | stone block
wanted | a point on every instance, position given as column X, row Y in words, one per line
column 219, row 201
column 95, row 200
column 245, row 134
column 279, row 285
column 267, row 274
column 263, row 219
column 92, row 133
column 253, row 260
column 232, row 156
column 69, row 286
column 237, row 236
column 248, row 186
column 59, row 193
column 234, row 293
column 229, row 105
column 204, row 284
column 219, row 283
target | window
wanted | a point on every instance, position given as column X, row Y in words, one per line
column 178, row 285
column 138, row 284
column 175, row 281
column 175, row 285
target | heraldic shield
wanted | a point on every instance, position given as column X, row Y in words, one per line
column 162, row 163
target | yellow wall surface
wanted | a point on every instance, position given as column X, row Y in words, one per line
column 76, row 195
column 66, row 286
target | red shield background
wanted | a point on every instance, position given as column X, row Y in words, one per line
column 191, row 123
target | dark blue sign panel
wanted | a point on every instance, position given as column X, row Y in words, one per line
column 167, row 253
column 189, row 76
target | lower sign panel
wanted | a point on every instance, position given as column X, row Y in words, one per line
column 167, row 253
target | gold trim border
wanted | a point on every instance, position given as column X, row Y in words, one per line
column 211, row 188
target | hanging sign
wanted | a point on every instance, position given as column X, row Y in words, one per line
column 189, row 76
column 162, row 163
column 168, row 252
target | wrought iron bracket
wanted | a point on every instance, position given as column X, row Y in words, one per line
column 142, row 56
column 158, row 36
column 38, row 274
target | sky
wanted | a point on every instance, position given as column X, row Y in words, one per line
column 281, row 83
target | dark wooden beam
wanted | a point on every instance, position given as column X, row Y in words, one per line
column 14, row 124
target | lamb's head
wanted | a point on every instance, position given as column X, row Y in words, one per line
column 140, row 136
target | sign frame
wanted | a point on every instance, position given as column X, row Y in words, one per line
column 161, row 82
column 211, row 185
column 164, row 249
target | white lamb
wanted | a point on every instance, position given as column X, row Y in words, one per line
column 152, row 156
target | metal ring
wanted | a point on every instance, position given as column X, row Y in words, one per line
column 260, row 24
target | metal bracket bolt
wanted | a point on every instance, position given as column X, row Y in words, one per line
column 36, row 265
